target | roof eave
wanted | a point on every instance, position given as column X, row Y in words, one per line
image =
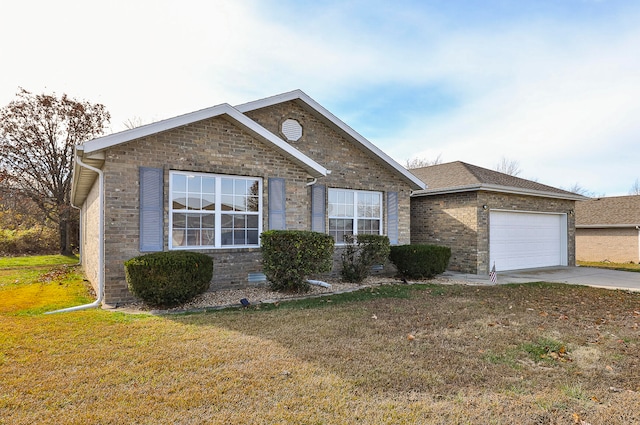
column 501, row 189
column 312, row 167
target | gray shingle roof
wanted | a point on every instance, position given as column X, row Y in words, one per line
column 460, row 176
column 610, row 211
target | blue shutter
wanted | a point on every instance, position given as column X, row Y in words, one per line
column 318, row 195
column 392, row 217
column 151, row 209
column 277, row 204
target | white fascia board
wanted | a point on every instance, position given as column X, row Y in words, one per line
column 95, row 145
column 501, row 189
column 302, row 96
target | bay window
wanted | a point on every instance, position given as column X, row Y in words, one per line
column 214, row 211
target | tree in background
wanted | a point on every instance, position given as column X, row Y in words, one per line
column 635, row 189
column 414, row 163
column 508, row 166
column 37, row 138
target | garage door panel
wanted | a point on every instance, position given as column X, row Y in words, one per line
column 526, row 240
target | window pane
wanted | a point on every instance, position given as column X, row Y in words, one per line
column 227, row 186
column 240, row 187
column 252, row 237
column 193, row 237
column 239, row 222
column 194, row 184
column 178, row 237
column 208, row 185
column 226, row 221
column 239, row 237
column 179, row 183
column 227, row 203
column 252, row 221
column 208, row 202
column 179, row 201
column 227, row 237
column 253, row 203
column 193, row 202
column 239, row 203
column 208, row 221
column 179, row 221
column 193, row 221
column 208, row 237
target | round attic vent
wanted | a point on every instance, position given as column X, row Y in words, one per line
column 292, row 130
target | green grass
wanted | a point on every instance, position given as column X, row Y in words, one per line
column 474, row 357
column 37, row 261
column 627, row 267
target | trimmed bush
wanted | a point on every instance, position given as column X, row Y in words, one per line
column 289, row 257
column 170, row 278
column 420, row 261
column 360, row 254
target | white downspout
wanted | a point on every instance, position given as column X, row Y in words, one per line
column 98, row 302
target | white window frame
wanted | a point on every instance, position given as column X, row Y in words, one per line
column 355, row 217
column 217, row 213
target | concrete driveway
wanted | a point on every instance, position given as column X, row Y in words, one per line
column 601, row 278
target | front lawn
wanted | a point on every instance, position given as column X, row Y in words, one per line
column 434, row 354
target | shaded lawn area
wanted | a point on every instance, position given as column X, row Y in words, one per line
column 436, row 354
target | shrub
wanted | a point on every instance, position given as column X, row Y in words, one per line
column 168, row 278
column 360, row 254
column 290, row 256
column 38, row 239
column 420, row 261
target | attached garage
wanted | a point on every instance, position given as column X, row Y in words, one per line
column 522, row 240
column 489, row 217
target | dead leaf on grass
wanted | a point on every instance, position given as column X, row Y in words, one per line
column 410, row 337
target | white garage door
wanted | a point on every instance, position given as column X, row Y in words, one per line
column 519, row 240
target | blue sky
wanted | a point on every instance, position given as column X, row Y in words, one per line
column 554, row 85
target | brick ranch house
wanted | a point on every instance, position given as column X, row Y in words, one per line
column 214, row 179
column 488, row 218
column 608, row 229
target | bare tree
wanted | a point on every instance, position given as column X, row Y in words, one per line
column 635, row 189
column 508, row 166
column 576, row 188
column 422, row 162
column 134, row 122
column 37, row 138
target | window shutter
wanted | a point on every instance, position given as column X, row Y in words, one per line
column 151, row 209
column 318, row 195
column 392, row 217
column 277, row 204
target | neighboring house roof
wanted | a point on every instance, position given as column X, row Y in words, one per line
column 614, row 211
column 307, row 103
column 458, row 176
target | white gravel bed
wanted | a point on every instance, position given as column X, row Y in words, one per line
column 263, row 294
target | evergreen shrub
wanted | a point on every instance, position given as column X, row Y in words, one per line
column 289, row 257
column 170, row 278
column 420, row 261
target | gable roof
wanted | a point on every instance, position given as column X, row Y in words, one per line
column 307, row 103
column 614, row 211
column 91, row 152
column 459, row 176
column 225, row 110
